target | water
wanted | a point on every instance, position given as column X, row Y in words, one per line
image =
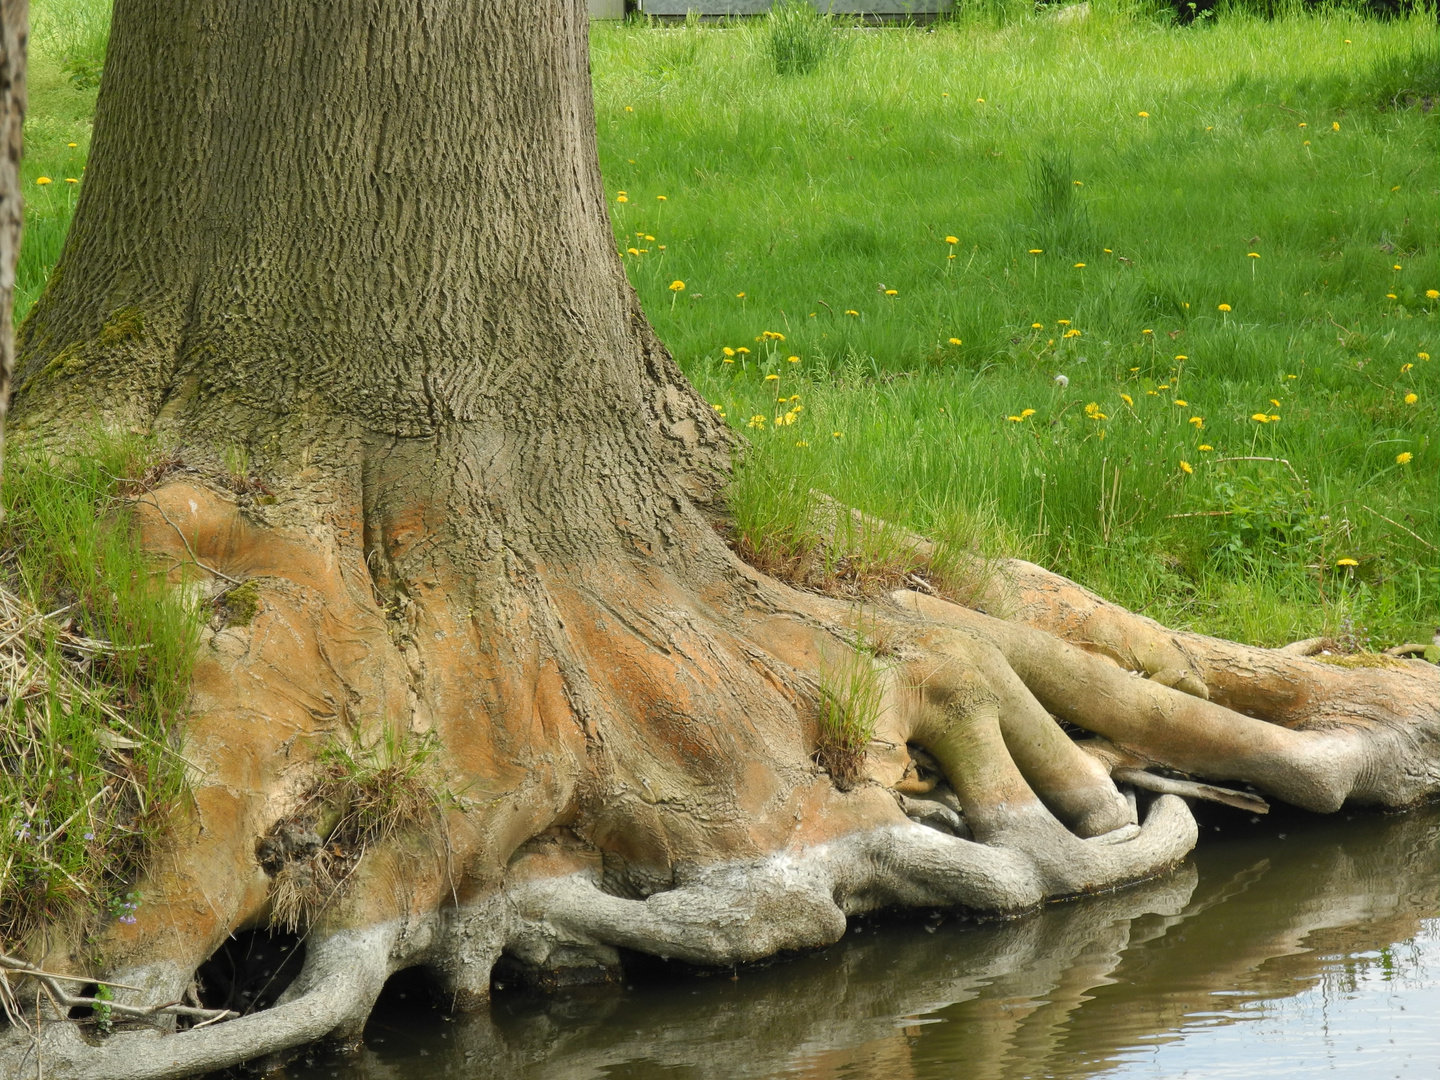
column 1292, row 946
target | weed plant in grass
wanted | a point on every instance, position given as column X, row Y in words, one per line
column 95, row 670
column 1152, row 305
column 797, row 37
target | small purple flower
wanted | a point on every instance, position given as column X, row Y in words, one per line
column 89, row 836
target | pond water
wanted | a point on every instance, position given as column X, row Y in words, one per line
column 1286, row 946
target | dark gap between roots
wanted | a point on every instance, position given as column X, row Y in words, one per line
column 250, row 970
column 84, row 1012
column 408, row 1011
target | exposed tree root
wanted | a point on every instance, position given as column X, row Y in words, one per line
column 965, row 694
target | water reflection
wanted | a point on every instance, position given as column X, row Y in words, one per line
column 1081, row 989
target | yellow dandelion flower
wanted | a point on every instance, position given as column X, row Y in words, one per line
column 1411, row 399
column 1397, row 266
column 647, row 238
column 851, row 311
column 1260, row 418
column 1128, row 400
column 633, row 251
column 792, row 359
column 1252, row 254
column 677, row 286
column 1274, row 417
column 1147, row 332
column 756, row 421
column 1335, row 126
column 1391, row 296
column 979, row 101
column 1163, row 386
column 1346, row 562
column 1062, row 322
column 1143, row 115
column 728, row 351
column 1013, row 419
column 622, row 198
column 1198, row 421
column 837, row 434
column 1025, row 414
column 1205, row 446
column 743, row 349
column 1037, row 251
column 892, row 292
column 1223, row 307
column 739, row 296
column 1180, row 402
column 1404, row 458
column 71, row 180
column 1432, row 294
column 1079, row 266
column 771, row 378
column 661, row 198
column 1036, row 326
column 1185, row 467
column 71, row 145
column 1405, row 367
column 952, row 239
column 956, row 341
column 728, row 360
column 1181, row 356
column 1071, row 333
column 1422, row 355
column 629, row 108
column 42, row 180
column 802, row 442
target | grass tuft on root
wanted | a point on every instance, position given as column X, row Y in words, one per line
column 363, row 796
column 851, row 702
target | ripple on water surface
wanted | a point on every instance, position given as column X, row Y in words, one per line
column 1318, row 953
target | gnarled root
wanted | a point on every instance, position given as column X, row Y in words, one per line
column 1324, row 735
column 630, row 755
column 342, row 976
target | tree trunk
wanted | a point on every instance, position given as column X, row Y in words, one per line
column 352, row 262
column 14, row 32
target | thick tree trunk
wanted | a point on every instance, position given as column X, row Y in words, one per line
column 352, row 261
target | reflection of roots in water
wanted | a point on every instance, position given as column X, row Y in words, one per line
column 1065, row 989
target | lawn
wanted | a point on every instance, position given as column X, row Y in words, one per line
column 1144, row 303
column 1147, row 304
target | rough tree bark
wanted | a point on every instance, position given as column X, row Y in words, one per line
column 352, row 262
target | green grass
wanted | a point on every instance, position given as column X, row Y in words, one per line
column 95, row 672
column 792, row 200
column 67, row 38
